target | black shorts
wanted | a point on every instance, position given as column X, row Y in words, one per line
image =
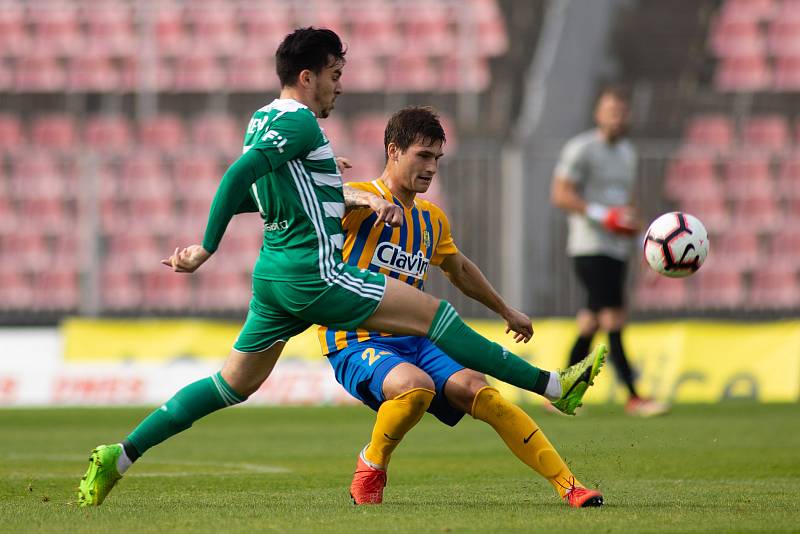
column 603, row 278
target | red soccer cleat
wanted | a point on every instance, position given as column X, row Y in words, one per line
column 580, row 497
column 368, row 483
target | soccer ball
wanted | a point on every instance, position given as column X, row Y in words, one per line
column 676, row 244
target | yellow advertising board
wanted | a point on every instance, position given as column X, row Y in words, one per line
column 682, row 361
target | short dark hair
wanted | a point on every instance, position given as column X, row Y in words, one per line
column 306, row 48
column 413, row 124
column 616, row 91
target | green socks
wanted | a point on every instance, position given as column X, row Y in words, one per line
column 176, row 415
column 470, row 349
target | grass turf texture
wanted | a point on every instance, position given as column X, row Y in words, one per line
column 723, row 468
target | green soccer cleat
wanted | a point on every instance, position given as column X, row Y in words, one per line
column 101, row 476
column 576, row 379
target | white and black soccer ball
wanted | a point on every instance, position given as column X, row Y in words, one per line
column 676, row 244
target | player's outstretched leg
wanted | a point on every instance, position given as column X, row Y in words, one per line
column 576, row 379
column 395, row 418
column 527, row 441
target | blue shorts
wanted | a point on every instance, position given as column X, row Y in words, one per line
column 362, row 367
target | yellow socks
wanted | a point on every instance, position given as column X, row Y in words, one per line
column 523, row 437
column 395, row 418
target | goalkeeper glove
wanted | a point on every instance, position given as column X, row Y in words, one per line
column 616, row 219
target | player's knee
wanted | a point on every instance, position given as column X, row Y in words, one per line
column 405, row 378
column 588, row 323
column 462, row 388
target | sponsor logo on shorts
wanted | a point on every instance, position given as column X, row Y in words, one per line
column 396, row 259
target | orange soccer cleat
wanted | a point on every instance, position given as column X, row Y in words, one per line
column 368, row 483
column 580, row 497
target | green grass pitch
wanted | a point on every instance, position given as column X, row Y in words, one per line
column 720, row 468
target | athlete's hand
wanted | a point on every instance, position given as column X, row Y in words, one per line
column 519, row 323
column 343, row 163
column 187, row 260
column 388, row 212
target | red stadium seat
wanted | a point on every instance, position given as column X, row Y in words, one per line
column 214, row 27
column 52, row 215
column 757, row 213
column 775, row 285
column 337, row 132
column 432, row 34
column 162, row 132
column 789, row 178
column 252, row 73
column 408, row 73
column 120, row 290
column 14, row 40
column 109, row 29
column 365, row 74
column 492, row 35
column 714, row 132
column 197, row 173
column 24, row 250
column 55, row 28
column 170, row 35
column 656, row 292
column 766, row 132
column 789, row 10
column 198, row 73
column 691, row 176
column 223, row 290
column 265, row 24
column 731, row 39
column 787, row 74
column 464, row 75
column 741, row 247
column 322, row 14
column 11, row 134
column 37, row 174
column 783, row 38
column 129, row 251
column 743, row 74
column 54, row 131
column 144, row 176
column 374, row 28
column 717, row 285
column 39, row 73
column 16, row 290
column 368, row 131
column 217, row 131
column 166, row 290
column 784, row 246
column 152, row 214
column 9, row 220
column 92, row 74
column 107, row 133
column 748, row 10
column 712, row 211
column 56, row 289
column 746, row 175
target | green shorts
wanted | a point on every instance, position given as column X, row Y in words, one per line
column 281, row 309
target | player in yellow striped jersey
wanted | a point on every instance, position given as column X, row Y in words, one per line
column 402, row 377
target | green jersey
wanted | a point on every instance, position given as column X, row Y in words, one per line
column 290, row 174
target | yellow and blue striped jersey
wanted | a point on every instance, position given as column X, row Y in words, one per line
column 404, row 253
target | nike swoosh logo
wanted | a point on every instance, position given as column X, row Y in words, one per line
column 583, row 378
column 526, row 440
column 387, row 436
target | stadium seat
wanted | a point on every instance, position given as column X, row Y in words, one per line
column 56, row 289
column 54, row 131
column 25, row 250
column 741, row 38
column 784, row 246
column 789, row 10
column 144, row 176
column 214, row 27
column 758, row 212
column 36, row 174
column 689, row 175
column 374, row 28
column 120, row 290
column 740, row 246
column 788, row 184
column 743, row 74
column 154, row 214
column 717, row 285
column 135, row 76
column 656, row 292
column 712, row 211
column 775, row 285
column 787, row 74
column 55, row 28
column 409, row 73
column 783, row 39
column 198, row 172
column 431, row 35
column 39, row 73
column 162, row 132
column 92, row 74
column 199, row 73
column 170, row 36
column 129, row 251
column 223, row 290
column 322, row 14
column 109, row 29
column 492, row 35
column 14, row 40
column 9, row 220
column 465, row 75
column 217, row 132
column 746, row 174
column 166, row 290
column 712, row 132
column 16, row 290
column 366, row 74
column 107, row 133
column 52, row 214
column 368, row 131
column 265, row 24
column 767, row 132
column 12, row 136
column 748, row 10
column 252, row 73
column 337, row 132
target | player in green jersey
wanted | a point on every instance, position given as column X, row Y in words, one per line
column 288, row 173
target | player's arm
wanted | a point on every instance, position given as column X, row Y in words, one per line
column 388, row 212
column 469, row 279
